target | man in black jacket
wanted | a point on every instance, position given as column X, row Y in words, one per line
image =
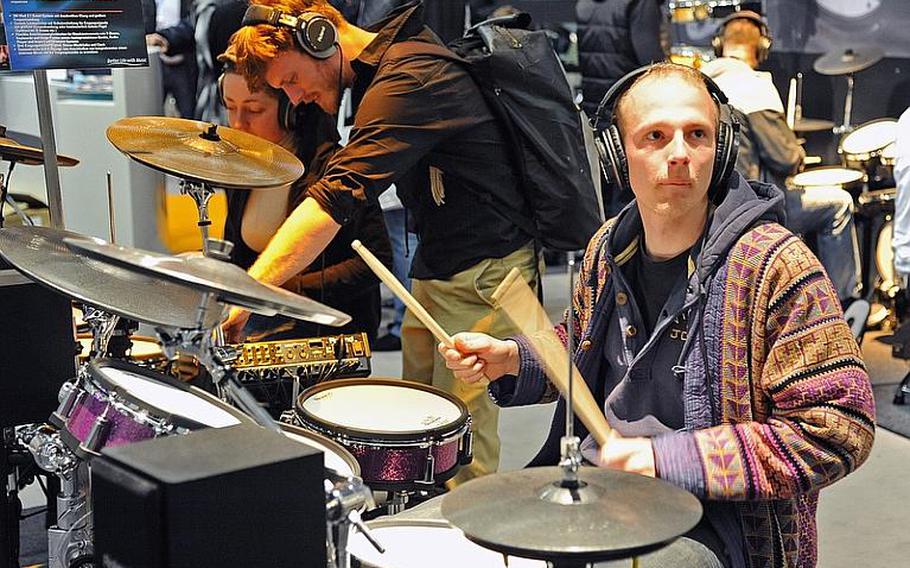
column 423, row 124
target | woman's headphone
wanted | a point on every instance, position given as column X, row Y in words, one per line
column 287, row 112
column 613, row 155
column 314, row 33
column 764, row 43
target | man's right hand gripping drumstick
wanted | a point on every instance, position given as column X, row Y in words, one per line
column 474, row 356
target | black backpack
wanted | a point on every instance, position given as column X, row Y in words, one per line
column 525, row 85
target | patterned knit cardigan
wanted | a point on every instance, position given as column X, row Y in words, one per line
column 794, row 404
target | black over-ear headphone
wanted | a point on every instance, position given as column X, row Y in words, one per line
column 287, row 112
column 613, row 156
column 315, row 34
column 764, row 44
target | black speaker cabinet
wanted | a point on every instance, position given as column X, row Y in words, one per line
column 37, row 349
column 239, row 496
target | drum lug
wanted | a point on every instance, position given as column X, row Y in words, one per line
column 429, row 474
column 68, row 396
column 466, row 449
column 97, row 435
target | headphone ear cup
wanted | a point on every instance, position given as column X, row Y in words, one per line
column 717, row 42
column 616, row 158
column 725, row 154
column 287, row 112
column 316, row 35
column 220, row 87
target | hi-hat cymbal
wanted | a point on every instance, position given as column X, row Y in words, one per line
column 812, row 125
column 631, row 515
column 850, row 60
column 229, row 283
column 40, row 254
column 202, row 152
column 13, row 151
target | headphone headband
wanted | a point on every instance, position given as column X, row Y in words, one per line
column 314, row 33
column 764, row 44
column 613, row 154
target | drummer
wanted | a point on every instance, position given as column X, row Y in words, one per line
column 770, row 152
column 710, row 336
column 338, row 278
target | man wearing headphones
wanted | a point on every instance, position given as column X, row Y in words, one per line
column 422, row 124
column 340, row 278
column 770, row 151
column 708, row 332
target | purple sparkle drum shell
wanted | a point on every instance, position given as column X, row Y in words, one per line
column 391, row 426
column 131, row 398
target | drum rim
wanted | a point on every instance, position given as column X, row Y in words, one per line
column 340, row 450
column 866, row 154
column 176, row 420
column 143, row 338
column 374, row 436
column 862, row 179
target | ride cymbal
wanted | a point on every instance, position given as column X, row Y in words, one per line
column 203, row 152
column 228, row 283
column 631, row 514
column 850, row 60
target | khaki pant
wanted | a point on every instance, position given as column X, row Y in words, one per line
column 462, row 303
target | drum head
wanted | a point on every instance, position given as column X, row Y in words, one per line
column 164, row 397
column 869, row 137
column 884, row 256
column 381, row 408
column 828, row 176
column 418, row 544
column 336, row 458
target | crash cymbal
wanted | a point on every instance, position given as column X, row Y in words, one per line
column 229, row 283
column 13, row 151
column 202, row 152
column 629, row 515
column 40, row 254
column 850, row 60
column 812, row 125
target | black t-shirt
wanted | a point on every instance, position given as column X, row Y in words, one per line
column 652, row 281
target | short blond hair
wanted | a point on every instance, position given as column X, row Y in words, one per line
column 254, row 47
column 662, row 71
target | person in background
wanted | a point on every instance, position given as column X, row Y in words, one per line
column 614, row 38
column 338, row 278
column 178, row 63
column 770, row 151
column 708, row 333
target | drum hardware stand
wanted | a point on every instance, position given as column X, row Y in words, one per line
column 343, row 503
column 201, row 194
column 199, row 342
column 70, row 539
column 848, row 108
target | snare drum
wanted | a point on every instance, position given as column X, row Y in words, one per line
column 866, row 142
column 422, row 543
column 403, row 434
column 113, row 403
column 337, row 459
column 830, row 176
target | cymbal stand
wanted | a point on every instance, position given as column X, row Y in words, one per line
column 102, row 324
column 199, row 342
column 848, row 108
column 201, row 193
column 570, row 490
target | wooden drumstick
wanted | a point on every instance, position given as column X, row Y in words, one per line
column 520, row 304
column 399, row 290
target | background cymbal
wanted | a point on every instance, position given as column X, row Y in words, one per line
column 13, row 151
column 40, row 254
column 229, row 283
column 812, row 125
column 199, row 151
column 850, row 60
column 634, row 514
